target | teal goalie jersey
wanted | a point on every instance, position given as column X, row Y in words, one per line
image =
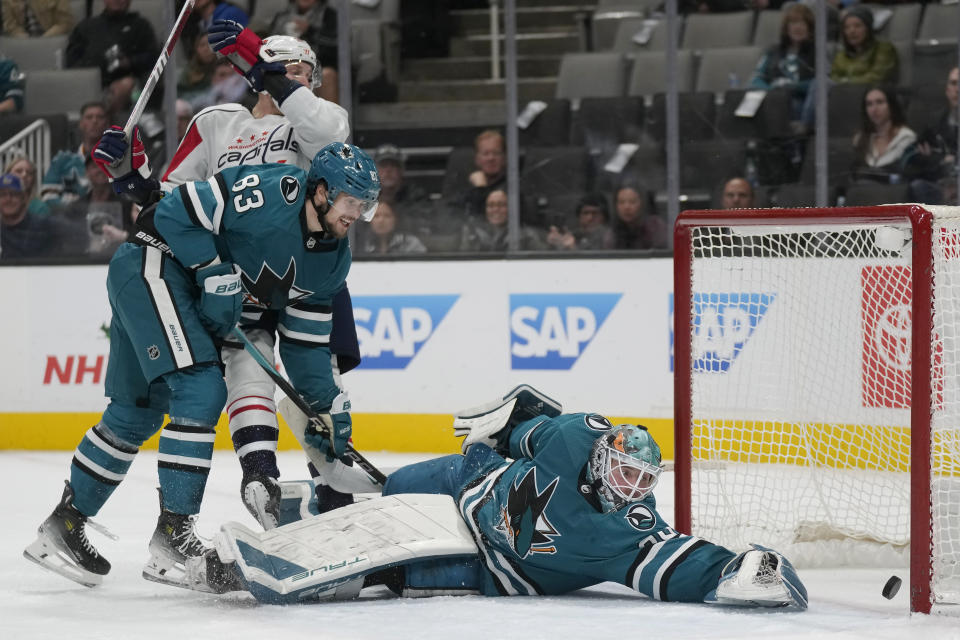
column 541, row 531
column 254, row 217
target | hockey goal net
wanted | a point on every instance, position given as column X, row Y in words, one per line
column 817, row 386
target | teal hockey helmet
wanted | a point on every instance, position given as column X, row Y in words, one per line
column 346, row 169
column 624, row 466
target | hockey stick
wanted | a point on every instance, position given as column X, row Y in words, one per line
column 158, row 67
column 350, row 453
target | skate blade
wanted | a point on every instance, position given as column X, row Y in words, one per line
column 165, row 572
column 256, row 497
column 164, row 568
column 52, row 559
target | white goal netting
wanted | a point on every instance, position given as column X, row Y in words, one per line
column 801, row 371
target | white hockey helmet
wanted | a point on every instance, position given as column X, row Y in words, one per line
column 288, row 49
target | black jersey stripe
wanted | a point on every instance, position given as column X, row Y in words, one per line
column 189, row 468
column 93, row 474
column 677, row 561
column 188, row 205
column 312, row 308
column 325, row 342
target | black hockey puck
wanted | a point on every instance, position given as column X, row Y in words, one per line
column 892, row 587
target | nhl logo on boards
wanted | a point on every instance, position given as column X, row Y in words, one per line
column 153, row 352
column 289, row 189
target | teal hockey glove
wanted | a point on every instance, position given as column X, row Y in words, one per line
column 332, row 441
column 221, row 298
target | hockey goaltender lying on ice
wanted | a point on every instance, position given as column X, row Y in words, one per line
column 539, row 503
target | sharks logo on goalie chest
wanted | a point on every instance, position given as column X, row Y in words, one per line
column 523, row 521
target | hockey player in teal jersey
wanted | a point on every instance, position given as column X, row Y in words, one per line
column 274, row 234
column 553, row 503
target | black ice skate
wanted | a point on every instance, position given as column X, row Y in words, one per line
column 174, row 540
column 261, row 495
column 329, row 498
column 62, row 546
column 207, row 573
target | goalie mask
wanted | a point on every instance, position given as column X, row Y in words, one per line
column 351, row 176
column 624, row 466
column 290, row 50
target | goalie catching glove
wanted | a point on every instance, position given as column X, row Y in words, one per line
column 126, row 165
column 241, row 46
column 331, row 439
column 492, row 423
column 759, row 577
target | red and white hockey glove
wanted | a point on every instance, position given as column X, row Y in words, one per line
column 241, row 46
column 127, row 168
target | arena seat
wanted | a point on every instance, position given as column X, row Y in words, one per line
column 727, row 68
column 602, row 74
column 35, row 54
column 61, row 91
column 649, row 74
column 718, row 30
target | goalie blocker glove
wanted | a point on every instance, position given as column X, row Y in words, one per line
column 126, row 166
column 492, row 423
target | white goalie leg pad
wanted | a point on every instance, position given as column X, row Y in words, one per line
column 327, row 556
column 759, row 577
column 481, row 424
column 336, row 474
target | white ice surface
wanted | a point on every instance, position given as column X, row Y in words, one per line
column 38, row 604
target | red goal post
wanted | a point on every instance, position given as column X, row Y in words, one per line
column 800, row 421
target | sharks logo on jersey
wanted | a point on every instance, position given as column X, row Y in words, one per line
column 271, row 290
column 524, row 521
column 598, row 423
column 641, row 517
column 289, row 189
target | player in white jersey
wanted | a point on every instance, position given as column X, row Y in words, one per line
column 288, row 125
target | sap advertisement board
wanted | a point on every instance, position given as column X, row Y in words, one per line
column 435, row 336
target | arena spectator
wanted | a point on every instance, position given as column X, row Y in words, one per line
column 634, row 226
column 65, row 179
column 184, row 116
column 315, row 22
column 382, row 236
column 490, row 233
column 23, row 235
column 196, row 76
column 122, row 44
column 862, row 58
column 883, row 138
column 790, row 63
column 209, row 10
column 737, row 193
column 12, row 81
column 931, row 164
column 22, row 167
column 204, row 13
column 490, row 160
column 36, row 18
column 226, row 86
column 592, row 231
column 101, row 216
column 407, row 198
